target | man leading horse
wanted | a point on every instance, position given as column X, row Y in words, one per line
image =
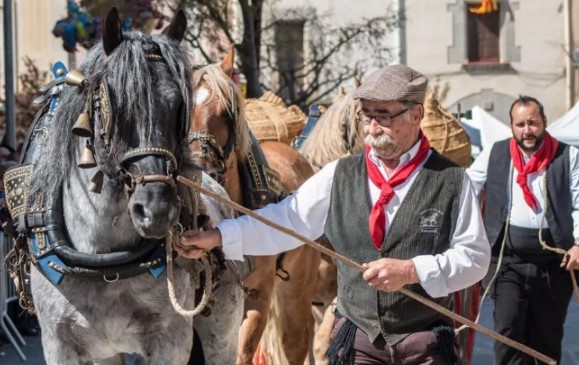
column 371, row 206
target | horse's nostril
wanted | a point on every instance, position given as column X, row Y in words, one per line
column 139, row 213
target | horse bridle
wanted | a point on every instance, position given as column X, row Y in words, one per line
column 101, row 109
column 131, row 180
column 40, row 229
column 210, row 146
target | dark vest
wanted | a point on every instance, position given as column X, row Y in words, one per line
column 423, row 225
column 559, row 202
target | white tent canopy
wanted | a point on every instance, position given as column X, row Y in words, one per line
column 566, row 128
column 491, row 129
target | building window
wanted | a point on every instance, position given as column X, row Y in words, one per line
column 289, row 46
column 483, row 37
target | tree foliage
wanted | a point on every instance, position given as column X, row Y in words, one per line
column 141, row 14
column 326, row 58
column 30, row 81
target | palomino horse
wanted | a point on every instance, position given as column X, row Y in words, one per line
column 220, row 140
column 98, row 253
column 336, row 133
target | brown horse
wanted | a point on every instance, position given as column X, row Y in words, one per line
column 219, row 142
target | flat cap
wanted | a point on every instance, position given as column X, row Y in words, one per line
column 393, row 83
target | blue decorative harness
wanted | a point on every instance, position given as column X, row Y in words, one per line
column 48, row 245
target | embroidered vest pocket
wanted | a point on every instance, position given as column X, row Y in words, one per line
column 430, row 221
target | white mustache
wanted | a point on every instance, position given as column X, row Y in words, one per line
column 380, row 142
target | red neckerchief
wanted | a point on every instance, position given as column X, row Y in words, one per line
column 377, row 219
column 538, row 162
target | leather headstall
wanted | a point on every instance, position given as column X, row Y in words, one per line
column 42, row 229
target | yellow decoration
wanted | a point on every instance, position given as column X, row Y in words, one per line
column 485, row 7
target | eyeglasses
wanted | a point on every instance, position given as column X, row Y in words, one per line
column 384, row 121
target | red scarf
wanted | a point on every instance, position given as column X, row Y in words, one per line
column 538, row 162
column 377, row 219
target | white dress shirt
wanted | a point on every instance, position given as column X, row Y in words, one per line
column 523, row 215
column 306, row 210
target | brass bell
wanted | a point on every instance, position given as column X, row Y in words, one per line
column 96, row 183
column 87, row 160
column 75, row 78
column 82, row 126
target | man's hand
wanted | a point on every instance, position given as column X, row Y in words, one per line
column 571, row 259
column 390, row 274
column 194, row 244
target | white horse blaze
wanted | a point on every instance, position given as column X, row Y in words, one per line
column 201, row 95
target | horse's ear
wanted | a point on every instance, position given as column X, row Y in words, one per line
column 357, row 81
column 112, row 32
column 340, row 94
column 176, row 30
column 228, row 61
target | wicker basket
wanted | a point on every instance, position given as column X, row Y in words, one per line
column 445, row 133
column 270, row 120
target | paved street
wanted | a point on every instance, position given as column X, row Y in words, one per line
column 483, row 345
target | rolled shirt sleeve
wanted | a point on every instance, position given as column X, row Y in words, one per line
column 467, row 260
column 304, row 211
column 477, row 172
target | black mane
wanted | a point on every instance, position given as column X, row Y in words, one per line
column 133, row 82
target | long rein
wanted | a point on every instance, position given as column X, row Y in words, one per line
column 207, row 289
column 440, row 309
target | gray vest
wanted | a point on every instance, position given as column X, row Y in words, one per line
column 559, row 199
column 423, row 225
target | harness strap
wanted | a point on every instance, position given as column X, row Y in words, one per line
column 155, row 264
column 146, row 179
column 280, row 272
column 261, row 184
column 207, row 139
column 313, row 116
column 149, row 151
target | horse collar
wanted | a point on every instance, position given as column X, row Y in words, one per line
column 49, row 247
column 54, row 256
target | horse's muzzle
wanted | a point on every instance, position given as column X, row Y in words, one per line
column 154, row 209
column 148, row 174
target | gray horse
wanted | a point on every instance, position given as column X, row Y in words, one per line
column 98, row 282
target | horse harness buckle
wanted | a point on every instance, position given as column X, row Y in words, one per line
column 17, row 262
